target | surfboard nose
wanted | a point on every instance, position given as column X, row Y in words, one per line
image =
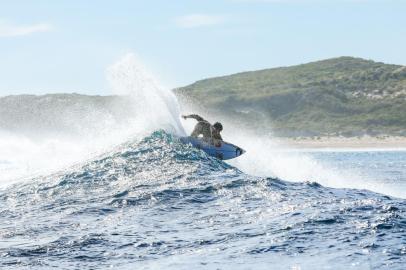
column 239, row 151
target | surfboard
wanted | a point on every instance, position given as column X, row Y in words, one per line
column 221, row 150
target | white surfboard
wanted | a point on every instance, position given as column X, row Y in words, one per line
column 221, row 150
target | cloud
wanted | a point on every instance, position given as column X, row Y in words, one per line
column 198, row 20
column 10, row 30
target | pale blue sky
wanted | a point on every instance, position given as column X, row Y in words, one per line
column 49, row 46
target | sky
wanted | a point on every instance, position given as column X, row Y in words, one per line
column 49, row 46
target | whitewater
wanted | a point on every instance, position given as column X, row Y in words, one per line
column 124, row 193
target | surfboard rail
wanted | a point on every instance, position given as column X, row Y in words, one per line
column 218, row 149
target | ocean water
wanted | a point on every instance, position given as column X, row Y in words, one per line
column 129, row 195
column 159, row 204
column 381, row 170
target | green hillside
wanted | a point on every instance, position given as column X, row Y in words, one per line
column 341, row 96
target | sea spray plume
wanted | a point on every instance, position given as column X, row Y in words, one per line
column 42, row 134
column 155, row 107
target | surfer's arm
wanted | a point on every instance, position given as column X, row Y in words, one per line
column 194, row 116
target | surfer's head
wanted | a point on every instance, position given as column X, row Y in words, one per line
column 218, row 126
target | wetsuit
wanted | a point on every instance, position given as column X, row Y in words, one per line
column 204, row 128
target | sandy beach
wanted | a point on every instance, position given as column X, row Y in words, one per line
column 343, row 142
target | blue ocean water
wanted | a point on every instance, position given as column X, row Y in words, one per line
column 159, row 204
column 382, row 170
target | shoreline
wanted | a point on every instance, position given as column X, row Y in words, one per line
column 357, row 143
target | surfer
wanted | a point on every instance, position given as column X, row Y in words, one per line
column 212, row 143
column 203, row 127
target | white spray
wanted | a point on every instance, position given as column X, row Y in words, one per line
column 147, row 108
column 154, row 106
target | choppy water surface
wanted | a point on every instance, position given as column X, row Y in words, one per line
column 159, row 204
column 381, row 170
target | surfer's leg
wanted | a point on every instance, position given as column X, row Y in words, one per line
column 197, row 130
column 216, row 142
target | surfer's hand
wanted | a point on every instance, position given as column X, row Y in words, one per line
column 184, row 117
